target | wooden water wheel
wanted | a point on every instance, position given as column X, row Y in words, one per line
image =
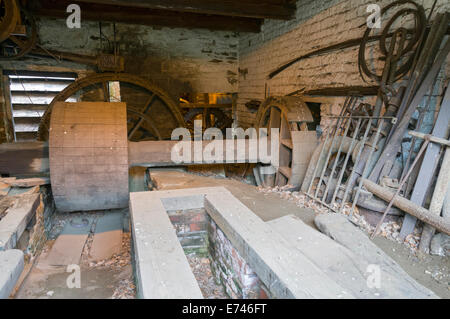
column 151, row 112
column 290, row 115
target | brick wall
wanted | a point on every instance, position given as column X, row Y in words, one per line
column 230, row 269
column 318, row 23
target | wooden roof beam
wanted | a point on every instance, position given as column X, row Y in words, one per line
column 143, row 16
column 262, row 9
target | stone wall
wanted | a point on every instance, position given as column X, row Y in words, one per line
column 318, row 23
column 179, row 60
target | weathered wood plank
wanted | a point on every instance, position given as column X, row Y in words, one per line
column 430, row 160
column 252, row 9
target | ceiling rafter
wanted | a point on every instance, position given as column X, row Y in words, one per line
column 262, row 9
column 145, row 16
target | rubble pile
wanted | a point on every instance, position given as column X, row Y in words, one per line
column 201, row 267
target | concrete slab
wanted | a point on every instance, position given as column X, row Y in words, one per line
column 340, row 229
column 11, row 266
column 162, row 269
column 69, row 245
column 344, row 266
column 107, row 239
column 265, row 206
column 18, row 216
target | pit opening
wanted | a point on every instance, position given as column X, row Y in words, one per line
column 219, row 269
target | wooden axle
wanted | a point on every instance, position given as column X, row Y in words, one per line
column 88, row 155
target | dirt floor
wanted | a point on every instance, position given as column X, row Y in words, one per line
column 431, row 271
column 105, row 279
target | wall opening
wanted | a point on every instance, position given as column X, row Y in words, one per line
column 30, row 94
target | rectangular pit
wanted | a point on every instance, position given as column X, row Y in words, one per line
column 261, row 261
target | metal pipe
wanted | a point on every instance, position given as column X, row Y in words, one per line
column 355, row 134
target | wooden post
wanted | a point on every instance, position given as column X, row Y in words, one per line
column 408, row 206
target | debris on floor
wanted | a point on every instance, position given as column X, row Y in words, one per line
column 390, row 230
column 108, row 278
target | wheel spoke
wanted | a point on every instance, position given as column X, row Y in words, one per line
column 105, row 89
column 141, row 120
column 142, row 117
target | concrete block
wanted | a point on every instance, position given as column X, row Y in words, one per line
column 17, row 218
column 11, row 266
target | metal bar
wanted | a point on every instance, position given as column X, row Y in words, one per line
column 367, row 166
column 363, row 142
column 336, row 159
column 333, row 142
column 341, row 175
column 323, row 148
column 363, row 117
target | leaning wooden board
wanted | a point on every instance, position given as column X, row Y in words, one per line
column 430, row 161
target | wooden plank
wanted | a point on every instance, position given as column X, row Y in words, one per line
column 107, row 239
column 24, row 158
column 304, row 144
column 6, row 109
column 283, row 269
column 11, row 266
column 69, row 245
column 162, row 269
column 429, row 163
column 204, row 105
column 27, row 182
column 151, row 17
column 252, row 9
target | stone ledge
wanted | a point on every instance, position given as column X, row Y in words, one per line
column 16, row 220
column 11, row 267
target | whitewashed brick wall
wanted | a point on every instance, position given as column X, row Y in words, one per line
column 318, row 23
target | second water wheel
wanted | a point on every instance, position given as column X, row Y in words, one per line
column 290, row 115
